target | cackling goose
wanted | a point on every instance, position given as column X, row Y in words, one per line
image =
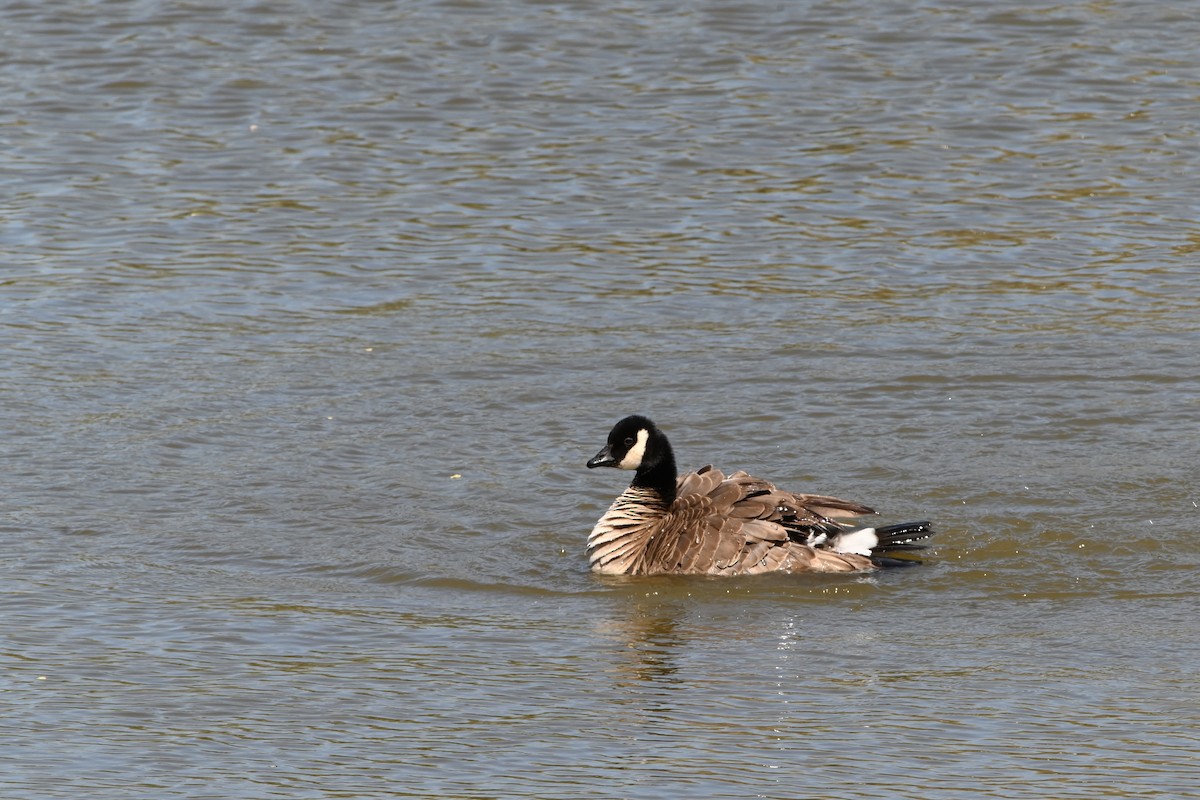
column 707, row 523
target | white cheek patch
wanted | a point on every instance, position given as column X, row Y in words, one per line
column 633, row 459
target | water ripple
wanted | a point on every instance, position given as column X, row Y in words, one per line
column 311, row 319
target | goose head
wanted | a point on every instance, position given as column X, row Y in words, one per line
column 636, row 443
column 627, row 444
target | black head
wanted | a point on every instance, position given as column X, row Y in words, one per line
column 636, row 443
column 626, row 448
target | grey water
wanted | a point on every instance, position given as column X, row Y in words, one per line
column 311, row 314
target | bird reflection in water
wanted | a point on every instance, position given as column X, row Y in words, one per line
column 647, row 632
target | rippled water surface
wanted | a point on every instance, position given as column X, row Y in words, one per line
column 312, row 314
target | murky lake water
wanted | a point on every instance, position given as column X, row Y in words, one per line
column 312, row 314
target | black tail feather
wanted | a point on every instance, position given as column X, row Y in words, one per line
column 900, row 538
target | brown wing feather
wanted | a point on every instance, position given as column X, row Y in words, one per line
column 742, row 525
column 695, row 546
column 831, row 506
column 702, row 481
column 760, row 499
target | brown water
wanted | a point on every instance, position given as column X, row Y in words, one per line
column 312, row 314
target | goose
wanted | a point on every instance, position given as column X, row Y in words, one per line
column 709, row 523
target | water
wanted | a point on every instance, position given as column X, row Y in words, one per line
column 312, row 316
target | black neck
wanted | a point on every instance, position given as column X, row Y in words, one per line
column 659, row 474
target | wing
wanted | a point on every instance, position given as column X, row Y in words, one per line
column 742, row 525
column 803, row 515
